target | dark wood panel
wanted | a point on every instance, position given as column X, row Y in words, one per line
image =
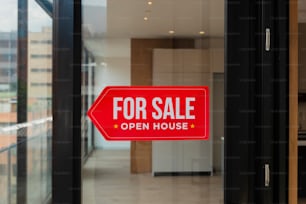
column 183, row 43
column 141, row 157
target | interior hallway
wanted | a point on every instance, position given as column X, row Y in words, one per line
column 107, row 180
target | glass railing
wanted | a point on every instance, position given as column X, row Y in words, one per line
column 39, row 171
column 8, row 174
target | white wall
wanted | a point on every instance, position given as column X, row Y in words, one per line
column 113, row 68
column 215, row 45
column 164, row 74
column 182, row 67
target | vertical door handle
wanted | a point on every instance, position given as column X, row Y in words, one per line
column 268, row 39
column 267, row 175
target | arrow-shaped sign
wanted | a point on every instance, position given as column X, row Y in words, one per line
column 152, row 113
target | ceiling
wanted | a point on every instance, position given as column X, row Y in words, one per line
column 126, row 18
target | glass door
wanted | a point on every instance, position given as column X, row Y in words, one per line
column 156, row 43
column 176, row 43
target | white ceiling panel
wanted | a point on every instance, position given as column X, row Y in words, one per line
column 125, row 18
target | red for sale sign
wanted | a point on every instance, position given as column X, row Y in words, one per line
column 152, row 113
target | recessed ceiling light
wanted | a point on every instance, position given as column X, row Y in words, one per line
column 171, row 31
column 150, row 2
column 202, row 32
column 145, row 18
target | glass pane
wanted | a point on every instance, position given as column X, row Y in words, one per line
column 88, row 85
column 13, row 174
column 88, row 68
column 153, row 43
column 8, row 71
column 4, row 175
column 8, row 100
column 39, row 104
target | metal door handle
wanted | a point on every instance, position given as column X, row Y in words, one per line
column 268, row 39
column 267, row 175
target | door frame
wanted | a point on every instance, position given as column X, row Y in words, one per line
column 66, row 102
column 246, row 99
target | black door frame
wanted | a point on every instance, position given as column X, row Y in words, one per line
column 66, row 104
column 257, row 102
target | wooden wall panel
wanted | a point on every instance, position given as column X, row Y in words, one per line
column 141, row 157
column 141, row 75
column 293, row 104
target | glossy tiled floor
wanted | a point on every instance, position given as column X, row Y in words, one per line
column 107, row 180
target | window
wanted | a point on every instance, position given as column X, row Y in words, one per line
column 41, row 84
column 41, row 42
column 8, row 57
column 3, row 170
column 4, row 43
column 44, row 98
column 14, row 170
column 9, row 43
column 41, row 70
column 6, row 124
column 40, row 56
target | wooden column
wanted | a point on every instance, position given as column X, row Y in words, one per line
column 293, row 104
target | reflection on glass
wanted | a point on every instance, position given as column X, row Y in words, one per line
column 88, row 69
column 39, row 103
column 8, row 99
column 38, row 126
